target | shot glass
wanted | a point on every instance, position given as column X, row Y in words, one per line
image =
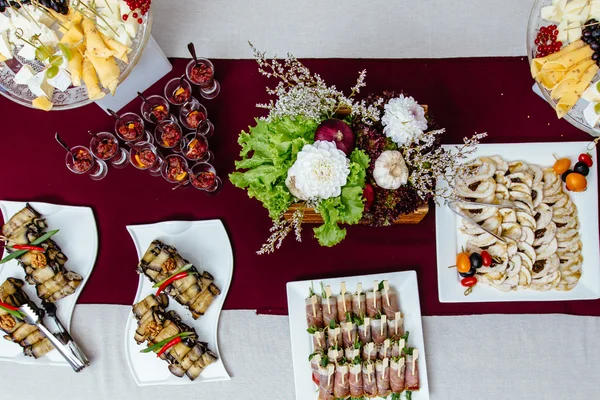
column 155, row 109
column 144, row 156
column 203, row 76
column 194, row 147
column 81, row 161
column 168, row 134
column 203, row 176
column 130, row 128
column 193, row 116
column 105, row 147
column 175, row 170
column 178, row 91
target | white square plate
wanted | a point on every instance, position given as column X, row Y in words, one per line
column 449, row 239
column 78, row 239
column 206, row 245
column 406, row 286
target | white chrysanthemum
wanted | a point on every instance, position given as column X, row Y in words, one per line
column 403, row 120
column 320, row 171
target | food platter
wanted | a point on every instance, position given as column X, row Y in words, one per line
column 450, row 240
column 74, row 96
column 576, row 115
column 405, row 284
column 78, row 238
column 205, row 244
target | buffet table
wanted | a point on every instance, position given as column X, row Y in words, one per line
column 505, row 355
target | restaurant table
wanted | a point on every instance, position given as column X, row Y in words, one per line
column 469, row 357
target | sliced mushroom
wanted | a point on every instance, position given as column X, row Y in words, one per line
column 545, row 216
column 527, row 235
column 521, row 177
column 545, row 235
column 512, row 230
column 538, row 174
column 525, row 219
column 547, row 250
column 517, row 166
column 501, row 165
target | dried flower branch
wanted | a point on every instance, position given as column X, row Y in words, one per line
column 281, row 229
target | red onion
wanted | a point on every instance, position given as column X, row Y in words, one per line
column 337, row 131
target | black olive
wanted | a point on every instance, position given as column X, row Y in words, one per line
column 476, row 261
column 564, row 176
column 471, row 272
column 582, row 168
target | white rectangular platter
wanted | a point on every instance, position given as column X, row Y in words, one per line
column 449, row 239
column 407, row 288
column 206, row 245
column 78, row 239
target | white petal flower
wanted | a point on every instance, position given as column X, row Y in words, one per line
column 403, row 120
column 320, row 171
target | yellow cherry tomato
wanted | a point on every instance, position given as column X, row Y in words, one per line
column 576, row 182
column 561, row 166
column 463, row 263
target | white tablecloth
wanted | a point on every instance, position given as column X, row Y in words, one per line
column 494, row 357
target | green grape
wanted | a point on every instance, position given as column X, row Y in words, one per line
column 41, row 53
column 51, row 72
column 66, row 51
column 56, row 61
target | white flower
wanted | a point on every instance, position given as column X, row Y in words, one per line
column 319, row 172
column 403, row 120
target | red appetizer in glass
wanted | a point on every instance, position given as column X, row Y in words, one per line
column 195, row 148
column 193, row 116
column 130, row 127
column 105, row 147
column 81, row 161
column 155, row 109
column 175, row 169
column 203, row 176
column 178, row 91
column 168, row 134
column 144, row 156
column 202, row 74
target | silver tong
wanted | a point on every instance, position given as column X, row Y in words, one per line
column 64, row 344
column 452, row 205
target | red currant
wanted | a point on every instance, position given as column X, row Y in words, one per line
column 140, row 21
column 135, row 15
column 125, row 16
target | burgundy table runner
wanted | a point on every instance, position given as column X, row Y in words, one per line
column 465, row 96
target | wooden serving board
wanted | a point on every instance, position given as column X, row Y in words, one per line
column 313, row 217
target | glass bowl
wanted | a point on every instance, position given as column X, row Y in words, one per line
column 575, row 115
column 75, row 96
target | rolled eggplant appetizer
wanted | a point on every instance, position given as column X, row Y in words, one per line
column 341, row 384
column 382, row 369
column 369, row 352
column 379, row 330
column 364, row 330
column 344, row 304
column 356, row 380
column 397, row 371
column 314, row 315
column 411, row 376
column 396, row 326
column 326, row 377
column 334, row 337
column 389, row 301
column 369, row 379
column 385, row 349
column 29, row 337
column 359, row 302
column 349, row 333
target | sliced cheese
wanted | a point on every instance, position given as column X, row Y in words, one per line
column 27, row 52
column 550, row 13
column 592, row 94
column 42, row 103
column 24, row 75
column 574, row 31
column 62, row 80
column 5, row 47
column 591, row 116
column 563, row 33
column 122, row 36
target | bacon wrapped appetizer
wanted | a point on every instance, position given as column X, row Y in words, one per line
column 314, row 315
column 334, row 337
column 29, row 337
column 379, row 330
column 315, row 361
column 344, row 304
column 341, row 384
column 352, row 352
column 326, row 377
column 382, row 369
column 385, row 349
column 171, row 339
column 369, row 352
column 356, row 380
column 396, row 326
column 397, row 371
column 162, row 264
column 369, row 379
column 374, row 302
column 359, row 303
column 349, row 333
column 389, row 301
column 329, row 308
column 398, row 347
column 44, row 269
column 364, row 330
column 319, row 341
column 335, row 354
column 412, row 371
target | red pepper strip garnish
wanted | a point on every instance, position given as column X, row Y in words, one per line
column 168, row 346
column 9, row 307
column 27, row 247
column 171, row 280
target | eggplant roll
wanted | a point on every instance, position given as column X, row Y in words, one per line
column 196, row 291
column 188, row 357
column 29, row 337
column 46, row 270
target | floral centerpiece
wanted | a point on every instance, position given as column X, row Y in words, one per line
column 353, row 161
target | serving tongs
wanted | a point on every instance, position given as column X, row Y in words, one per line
column 33, row 317
column 453, row 206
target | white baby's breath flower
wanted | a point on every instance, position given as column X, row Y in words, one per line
column 320, row 171
column 403, row 120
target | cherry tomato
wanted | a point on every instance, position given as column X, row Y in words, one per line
column 561, row 166
column 468, row 282
column 486, row 258
column 576, row 182
column 463, row 264
column 586, row 158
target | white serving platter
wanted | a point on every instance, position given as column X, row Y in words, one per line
column 78, row 239
column 206, row 245
column 449, row 239
column 407, row 288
